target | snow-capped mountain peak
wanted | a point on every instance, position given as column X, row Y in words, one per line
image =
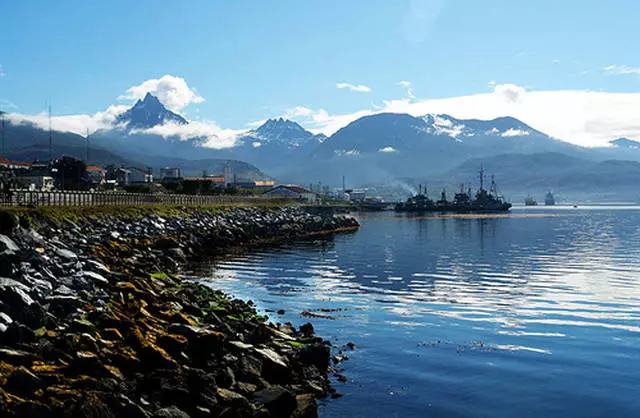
column 283, row 132
column 440, row 124
column 149, row 112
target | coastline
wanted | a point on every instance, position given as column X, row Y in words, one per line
column 95, row 322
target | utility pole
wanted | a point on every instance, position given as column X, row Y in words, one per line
column 2, row 134
column 86, row 151
column 50, row 136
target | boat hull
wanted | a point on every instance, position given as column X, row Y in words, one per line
column 455, row 209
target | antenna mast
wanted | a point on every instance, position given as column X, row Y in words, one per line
column 86, row 151
column 2, row 133
column 481, row 178
column 50, row 136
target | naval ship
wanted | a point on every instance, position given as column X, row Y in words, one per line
column 463, row 201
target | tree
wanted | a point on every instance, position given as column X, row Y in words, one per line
column 69, row 173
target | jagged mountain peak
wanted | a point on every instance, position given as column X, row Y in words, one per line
column 282, row 131
column 149, row 112
column 281, row 126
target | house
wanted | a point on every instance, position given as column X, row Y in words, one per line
column 13, row 165
column 292, row 191
column 96, row 175
column 170, row 174
column 264, row 184
column 34, row 176
column 139, row 175
column 244, row 183
column 122, row 177
column 34, row 181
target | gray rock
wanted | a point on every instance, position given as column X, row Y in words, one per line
column 7, row 243
column 66, row 254
column 14, row 293
column 271, row 356
column 171, row 412
column 279, row 401
column 5, row 319
column 16, row 356
column 95, row 277
column 96, row 266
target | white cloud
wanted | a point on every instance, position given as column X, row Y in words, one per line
column 387, row 149
column 404, row 83
column 578, row 116
column 299, row 111
column 212, row 134
column 2, row 73
column 510, row 92
column 77, row 124
column 173, row 92
column 361, row 88
column 256, row 124
column 622, row 70
column 256, row 144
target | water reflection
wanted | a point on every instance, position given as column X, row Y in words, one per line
column 562, row 285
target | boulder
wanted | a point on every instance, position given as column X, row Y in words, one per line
column 22, row 382
column 170, row 412
column 279, row 401
column 66, row 255
column 307, row 406
column 7, row 243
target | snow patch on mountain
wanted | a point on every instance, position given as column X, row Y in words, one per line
column 515, row 132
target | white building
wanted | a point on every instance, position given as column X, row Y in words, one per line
column 292, row 191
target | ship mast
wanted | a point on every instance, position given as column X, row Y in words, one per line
column 481, row 178
column 493, row 189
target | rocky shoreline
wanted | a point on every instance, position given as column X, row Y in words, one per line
column 94, row 323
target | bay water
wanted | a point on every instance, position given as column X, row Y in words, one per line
column 531, row 313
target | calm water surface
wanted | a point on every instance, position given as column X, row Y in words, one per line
column 532, row 314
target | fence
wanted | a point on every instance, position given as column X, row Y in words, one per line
column 81, row 198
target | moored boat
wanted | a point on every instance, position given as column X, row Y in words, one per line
column 549, row 200
column 463, row 201
column 530, row 201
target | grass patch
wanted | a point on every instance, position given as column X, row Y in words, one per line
column 43, row 216
column 160, row 276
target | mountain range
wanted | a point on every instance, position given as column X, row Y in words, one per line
column 384, row 148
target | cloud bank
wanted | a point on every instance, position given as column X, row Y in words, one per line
column 581, row 117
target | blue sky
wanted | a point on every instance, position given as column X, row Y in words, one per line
column 250, row 60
